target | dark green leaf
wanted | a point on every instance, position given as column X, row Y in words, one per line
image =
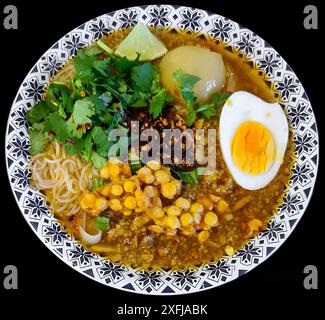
column 60, row 95
column 102, row 66
column 157, row 103
column 83, row 64
column 217, row 100
column 186, row 83
column 220, row 98
column 56, row 124
column 142, row 76
column 39, row 112
column 100, row 138
column 123, row 65
column 38, row 139
column 190, row 177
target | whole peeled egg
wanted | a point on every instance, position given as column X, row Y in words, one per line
column 198, row 61
column 253, row 138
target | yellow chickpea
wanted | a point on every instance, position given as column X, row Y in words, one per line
column 151, row 191
column 154, row 165
column 186, row 219
column 177, row 184
column 116, row 190
column 173, row 211
column 127, row 212
column 197, row 208
column 203, row 236
column 105, row 190
column 114, row 169
column 157, row 212
column 115, row 204
column 222, row 206
column 101, row 204
column 211, row 219
column 162, row 176
column 183, row 203
column 172, row 222
column 88, row 201
column 129, row 186
column 145, row 175
column 168, row 190
column 130, row 202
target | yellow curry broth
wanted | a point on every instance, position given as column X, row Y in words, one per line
column 141, row 247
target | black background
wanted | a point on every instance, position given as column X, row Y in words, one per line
column 275, row 285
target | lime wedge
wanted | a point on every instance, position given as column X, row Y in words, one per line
column 141, row 40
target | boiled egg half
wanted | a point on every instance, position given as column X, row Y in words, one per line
column 253, row 139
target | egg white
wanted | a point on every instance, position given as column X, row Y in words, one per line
column 243, row 106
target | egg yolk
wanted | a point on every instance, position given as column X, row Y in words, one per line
column 253, row 148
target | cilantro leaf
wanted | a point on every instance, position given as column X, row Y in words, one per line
column 97, row 183
column 157, row 103
column 83, row 110
column 86, row 152
column 97, row 160
column 77, row 131
column 190, row 177
column 142, row 76
column 60, row 95
column 220, row 98
column 217, row 100
column 185, row 80
column 38, row 139
column 83, row 64
column 100, row 138
column 123, row 65
column 186, row 83
column 102, row 66
column 102, row 223
column 40, row 111
column 57, row 125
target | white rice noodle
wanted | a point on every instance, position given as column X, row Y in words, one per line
column 62, row 177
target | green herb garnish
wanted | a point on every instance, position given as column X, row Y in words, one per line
column 102, row 223
column 97, row 183
column 81, row 112
column 186, row 83
column 208, row 111
column 190, row 177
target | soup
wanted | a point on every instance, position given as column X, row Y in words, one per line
column 150, row 215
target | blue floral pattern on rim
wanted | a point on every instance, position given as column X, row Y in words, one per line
column 241, row 41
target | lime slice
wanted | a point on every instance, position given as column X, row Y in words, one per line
column 141, row 40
